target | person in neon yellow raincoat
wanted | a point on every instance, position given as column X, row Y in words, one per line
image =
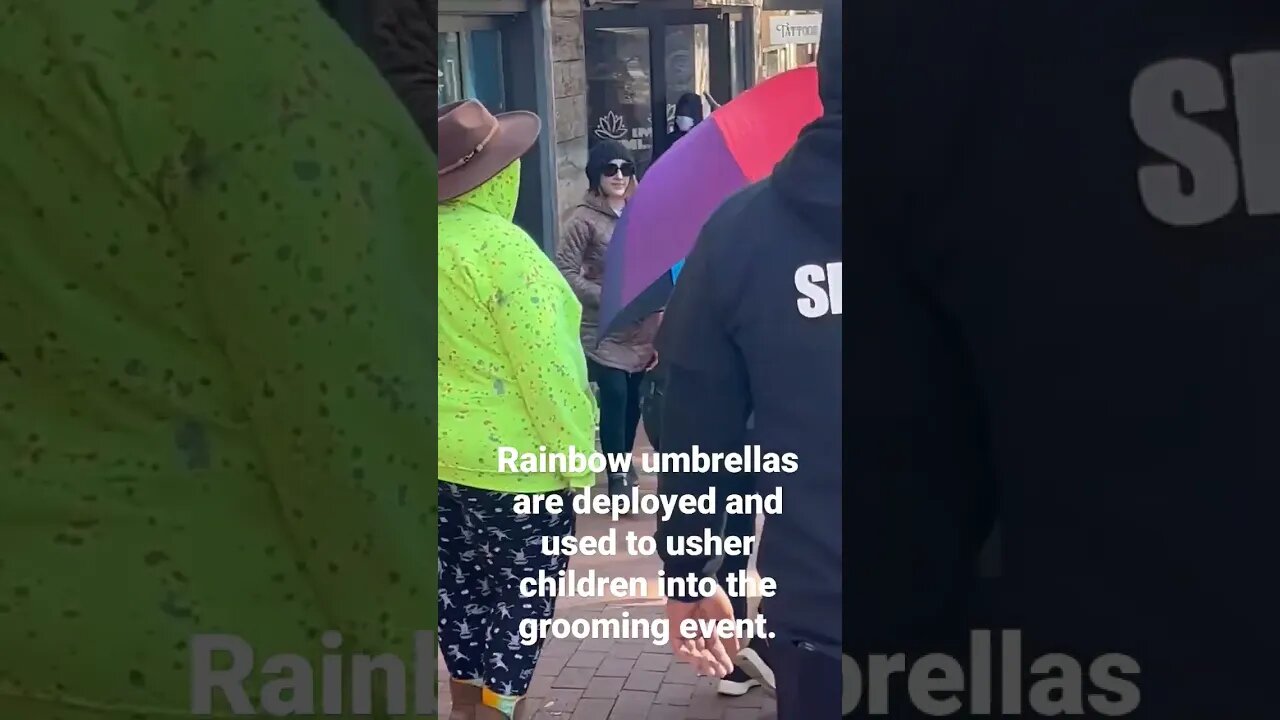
column 215, row 406
column 512, row 374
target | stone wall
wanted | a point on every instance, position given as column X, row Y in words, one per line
column 569, row 86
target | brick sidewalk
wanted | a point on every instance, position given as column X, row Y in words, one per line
column 627, row 680
column 604, row 679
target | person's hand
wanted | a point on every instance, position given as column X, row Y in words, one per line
column 653, row 362
column 710, row 655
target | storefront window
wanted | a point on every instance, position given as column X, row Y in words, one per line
column 482, row 73
column 471, row 67
column 781, row 36
column 450, row 70
column 618, row 90
column 774, row 62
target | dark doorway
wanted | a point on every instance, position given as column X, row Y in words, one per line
column 641, row 60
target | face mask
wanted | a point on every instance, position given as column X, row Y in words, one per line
column 684, row 123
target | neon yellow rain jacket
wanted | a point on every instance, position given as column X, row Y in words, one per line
column 215, row 412
column 512, row 371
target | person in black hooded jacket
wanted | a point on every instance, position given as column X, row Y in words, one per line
column 1067, row 316
column 688, row 115
column 755, row 326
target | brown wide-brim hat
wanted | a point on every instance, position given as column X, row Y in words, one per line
column 476, row 145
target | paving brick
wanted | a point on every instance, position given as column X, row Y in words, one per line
column 673, row 694
column 584, row 659
column 646, row 680
column 559, row 648
column 592, row 710
column 681, row 673
column 598, row 644
column 549, row 665
column 560, row 700
column 666, row 712
column 654, row 661
column 630, row 651
column 704, row 708
column 742, row 714
column 615, row 667
column 604, row 687
column 705, row 687
column 645, row 643
column 541, row 685
column 575, row 678
column 632, row 705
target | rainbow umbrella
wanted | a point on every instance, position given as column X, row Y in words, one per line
column 734, row 147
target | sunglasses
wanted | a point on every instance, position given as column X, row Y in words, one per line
column 626, row 169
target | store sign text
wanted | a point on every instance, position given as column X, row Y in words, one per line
column 795, row 29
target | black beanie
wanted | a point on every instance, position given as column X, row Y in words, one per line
column 602, row 154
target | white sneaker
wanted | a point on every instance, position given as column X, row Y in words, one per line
column 754, row 666
column 736, row 683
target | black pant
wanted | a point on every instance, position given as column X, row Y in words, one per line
column 736, row 526
column 809, row 682
column 619, row 406
column 651, row 392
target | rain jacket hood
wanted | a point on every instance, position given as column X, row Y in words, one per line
column 511, row 372
column 496, row 197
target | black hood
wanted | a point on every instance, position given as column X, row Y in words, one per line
column 690, row 105
column 810, row 177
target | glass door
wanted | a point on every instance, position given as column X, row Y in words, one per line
column 641, row 60
column 450, row 68
column 471, row 61
column 620, row 88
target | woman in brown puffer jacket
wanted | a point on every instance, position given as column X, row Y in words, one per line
column 617, row 363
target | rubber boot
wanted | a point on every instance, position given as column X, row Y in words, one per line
column 466, row 698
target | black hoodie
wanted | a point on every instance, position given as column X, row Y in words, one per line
column 1066, row 269
column 688, row 105
column 755, row 326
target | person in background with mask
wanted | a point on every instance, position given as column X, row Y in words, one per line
column 740, row 339
column 618, row 362
column 689, row 112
